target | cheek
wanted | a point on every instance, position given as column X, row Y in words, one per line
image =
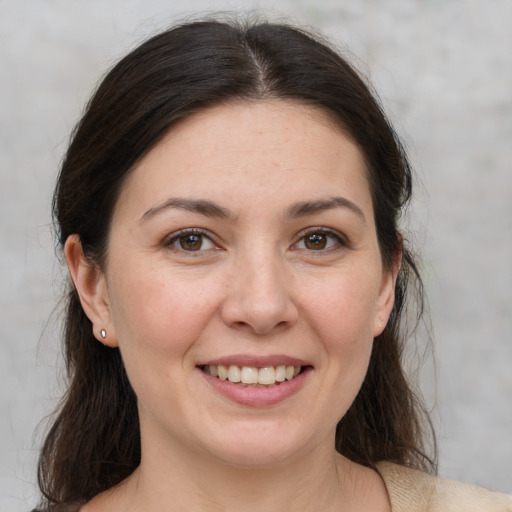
column 342, row 316
column 158, row 313
column 158, row 318
column 343, row 309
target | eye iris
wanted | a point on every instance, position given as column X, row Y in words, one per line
column 316, row 241
column 191, row 242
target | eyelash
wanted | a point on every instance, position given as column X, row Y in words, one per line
column 173, row 240
column 339, row 240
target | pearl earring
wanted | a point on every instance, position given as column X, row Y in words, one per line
column 103, row 333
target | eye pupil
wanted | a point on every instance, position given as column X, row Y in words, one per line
column 316, row 241
column 191, row 242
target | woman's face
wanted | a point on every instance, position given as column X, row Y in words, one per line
column 244, row 243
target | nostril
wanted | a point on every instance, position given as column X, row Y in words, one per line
column 260, row 328
column 241, row 324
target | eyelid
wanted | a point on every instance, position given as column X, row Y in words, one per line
column 343, row 241
column 170, row 239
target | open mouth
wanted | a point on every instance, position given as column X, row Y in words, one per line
column 251, row 376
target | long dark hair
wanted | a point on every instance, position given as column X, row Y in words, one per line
column 94, row 440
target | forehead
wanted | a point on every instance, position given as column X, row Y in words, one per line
column 267, row 151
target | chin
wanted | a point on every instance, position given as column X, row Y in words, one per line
column 259, row 447
column 256, row 457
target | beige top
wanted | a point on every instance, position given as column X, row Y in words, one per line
column 414, row 491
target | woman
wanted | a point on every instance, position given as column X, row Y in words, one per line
column 228, row 211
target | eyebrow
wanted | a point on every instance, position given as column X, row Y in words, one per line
column 305, row 208
column 201, row 206
column 210, row 209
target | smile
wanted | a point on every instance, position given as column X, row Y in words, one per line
column 253, row 376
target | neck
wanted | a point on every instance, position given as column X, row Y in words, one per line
column 318, row 480
column 177, row 477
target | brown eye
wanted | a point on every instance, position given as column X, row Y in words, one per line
column 315, row 241
column 321, row 240
column 191, row 241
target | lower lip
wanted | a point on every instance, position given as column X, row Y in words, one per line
column 255, row 396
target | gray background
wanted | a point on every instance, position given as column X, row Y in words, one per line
column 444, row 73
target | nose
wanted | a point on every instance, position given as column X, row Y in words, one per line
column 259, row 297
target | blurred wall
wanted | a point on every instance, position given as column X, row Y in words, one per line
column 444, row 73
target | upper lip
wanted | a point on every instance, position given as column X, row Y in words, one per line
column 255, row 361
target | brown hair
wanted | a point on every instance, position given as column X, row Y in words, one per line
column 94, row 441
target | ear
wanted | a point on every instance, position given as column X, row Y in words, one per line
column 386, row 297
column 91, row 286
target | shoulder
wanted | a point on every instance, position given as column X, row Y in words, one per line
column 410, row 489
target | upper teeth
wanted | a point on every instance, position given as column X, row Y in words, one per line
column 268, row 375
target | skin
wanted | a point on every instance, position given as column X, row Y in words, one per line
column 257, row 287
